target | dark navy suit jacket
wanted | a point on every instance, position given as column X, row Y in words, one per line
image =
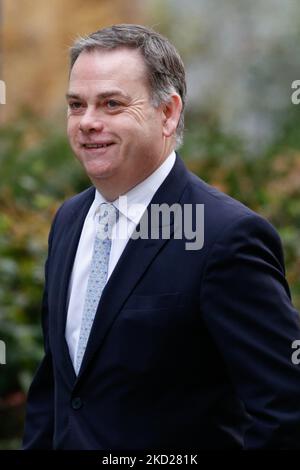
column 189, row 349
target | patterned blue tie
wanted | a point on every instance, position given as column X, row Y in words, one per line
column 106, row 218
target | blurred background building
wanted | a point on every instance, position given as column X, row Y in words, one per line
column 241, row 136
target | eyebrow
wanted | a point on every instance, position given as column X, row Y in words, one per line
column 104, row 94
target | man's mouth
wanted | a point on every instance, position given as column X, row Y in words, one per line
column 96, row 146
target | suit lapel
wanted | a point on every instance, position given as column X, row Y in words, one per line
column 133, row 262
column 69, row 243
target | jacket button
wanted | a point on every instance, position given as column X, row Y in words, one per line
column 76, row 403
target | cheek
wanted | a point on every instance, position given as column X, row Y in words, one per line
column 138, row 120
column 71, row 131
column 135, row 117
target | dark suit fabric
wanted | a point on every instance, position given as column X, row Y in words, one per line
column 189, row 349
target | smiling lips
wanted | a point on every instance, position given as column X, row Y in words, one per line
column 97, row 146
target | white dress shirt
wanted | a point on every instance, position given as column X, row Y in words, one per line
column 131, row 207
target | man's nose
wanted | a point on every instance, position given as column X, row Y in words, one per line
column 92, row 120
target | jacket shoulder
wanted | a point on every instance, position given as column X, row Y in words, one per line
column 224, row 205
column 75, row 203
column 223, row 213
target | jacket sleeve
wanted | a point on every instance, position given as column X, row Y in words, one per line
column 39, row 421
column 247, row 307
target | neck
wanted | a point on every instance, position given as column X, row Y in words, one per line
column 116, row 186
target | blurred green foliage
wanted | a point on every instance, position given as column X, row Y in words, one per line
column 38, row 171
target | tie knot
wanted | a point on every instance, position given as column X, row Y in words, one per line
column 106, row 216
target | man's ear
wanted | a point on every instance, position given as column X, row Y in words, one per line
column 171, row 114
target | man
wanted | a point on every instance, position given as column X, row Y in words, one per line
column 150, row 344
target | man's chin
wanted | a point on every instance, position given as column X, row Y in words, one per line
column 98, row 171
column 100, row 175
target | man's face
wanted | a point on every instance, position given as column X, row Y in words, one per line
column 113, row 128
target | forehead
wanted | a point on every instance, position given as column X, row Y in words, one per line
column 116, row 66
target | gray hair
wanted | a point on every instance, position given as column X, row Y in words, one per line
column 166, row 72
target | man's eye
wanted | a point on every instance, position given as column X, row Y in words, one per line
column 112, row 104
column 75, row 105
